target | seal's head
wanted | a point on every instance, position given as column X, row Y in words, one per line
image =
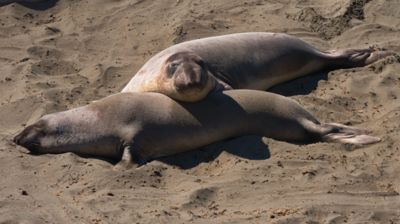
column 49, row 134
column 186, row 77
column 69, row 131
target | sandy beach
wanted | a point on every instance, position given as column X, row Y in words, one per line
column 62, row 54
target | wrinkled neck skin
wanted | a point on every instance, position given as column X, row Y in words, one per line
column 79, row 131
column 164, row 86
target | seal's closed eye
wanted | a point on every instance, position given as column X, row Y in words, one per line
column 171, row 69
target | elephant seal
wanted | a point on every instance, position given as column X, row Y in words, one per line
column 142, row 126
column 190, row 70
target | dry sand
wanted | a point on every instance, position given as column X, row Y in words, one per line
column 65, row 54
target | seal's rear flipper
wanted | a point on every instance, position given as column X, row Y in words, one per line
column 346, row 134
column 351, row 58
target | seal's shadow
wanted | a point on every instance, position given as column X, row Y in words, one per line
column 300, row 86
column 247, row 147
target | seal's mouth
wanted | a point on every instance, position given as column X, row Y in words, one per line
column 33, row 147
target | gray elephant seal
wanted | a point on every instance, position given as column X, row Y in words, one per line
column 190, row 70
column 143, row 126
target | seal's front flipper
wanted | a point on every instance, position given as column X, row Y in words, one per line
column 127, row 161
column 346, row 134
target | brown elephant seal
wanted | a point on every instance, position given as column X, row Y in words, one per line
column 190, row 70
column 143, row 126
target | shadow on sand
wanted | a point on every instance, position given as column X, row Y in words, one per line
column 300, row 86
column 247, row 147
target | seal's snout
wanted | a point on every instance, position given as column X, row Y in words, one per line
column 29, row 139
column 191, row 78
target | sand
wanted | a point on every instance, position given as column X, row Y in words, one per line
column 64, row 54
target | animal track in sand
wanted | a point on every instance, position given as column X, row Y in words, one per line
column 42, row 52
column 201, row 197
column 53, row 67
column 329, row 28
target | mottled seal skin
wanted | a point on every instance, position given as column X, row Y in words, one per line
column 190, row 70
column 143, row 126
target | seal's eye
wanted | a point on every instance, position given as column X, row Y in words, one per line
column 39, row 131
column 172, row 68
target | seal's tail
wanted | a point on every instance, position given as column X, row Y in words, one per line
column 346, row 134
